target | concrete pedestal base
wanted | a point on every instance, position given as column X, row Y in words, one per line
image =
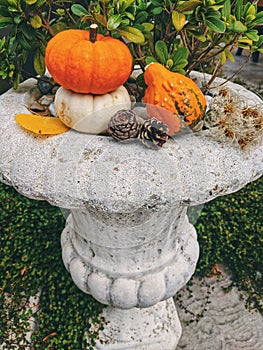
column 153, row 328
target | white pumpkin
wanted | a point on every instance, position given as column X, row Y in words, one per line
column 89, row 113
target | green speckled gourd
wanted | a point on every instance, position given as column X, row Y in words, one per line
column 172, row 96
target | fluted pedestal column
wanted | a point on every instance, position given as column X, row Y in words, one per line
column 132, row 261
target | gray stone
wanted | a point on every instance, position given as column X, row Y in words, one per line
column 127, row 241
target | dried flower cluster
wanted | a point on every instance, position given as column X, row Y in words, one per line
column 230, row 118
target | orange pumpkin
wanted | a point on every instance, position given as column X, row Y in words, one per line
column 174, row 95
column 87, row 62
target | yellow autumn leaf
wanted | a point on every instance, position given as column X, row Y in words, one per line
column 222, row 58
column 179, row 20
column 36, row 22
column 41, row 125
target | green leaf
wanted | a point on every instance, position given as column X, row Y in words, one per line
column 138, row 26
column 26, row 45
column 226, row 10
column 114, row 22
column 140, row 80
column 13, row 3
column 36, row 22
column 213, row 13
column 79, row 10
column 177, row 70
column 238, row 9
column 4, row 12
column 150, row 59
column 5, row 22
column 250, row 18
column 161, row 51
column 179, row 20
column 199, row 36
column 148, row 27
column 188, row 6
column 251, row 10
column 141, row 17
column 133, row 35
column 169, row 63
column 40, row 3
column 2, row 43
column 124, row 4
column 125, row 22
column 215, row 24
column 28, row 32
column 180, row 58
column 244, row 41
column 259, row 19
column 259, row 14
column 260, row 41
column 31, row 2
column 229, row 55
column 237, row 27
column 222, row 58
column 252, row 35
column 157, row 2
column 17, row 19
column 157, row 10
column 12, row 9
column 129, row 15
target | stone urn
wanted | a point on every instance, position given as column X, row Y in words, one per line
column 127, row 241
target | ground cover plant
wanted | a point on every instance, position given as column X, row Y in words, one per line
column 30, row 261
column 229, row 232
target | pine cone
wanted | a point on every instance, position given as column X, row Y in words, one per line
column 123, row 125
column 154, row 133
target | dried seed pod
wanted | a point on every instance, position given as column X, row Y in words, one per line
column 123, row 125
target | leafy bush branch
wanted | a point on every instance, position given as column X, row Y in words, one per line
column 182, row 35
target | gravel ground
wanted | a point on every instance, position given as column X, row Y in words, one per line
column 251, row 75
column 225, row 322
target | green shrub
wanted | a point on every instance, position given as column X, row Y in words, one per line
column 180, row 34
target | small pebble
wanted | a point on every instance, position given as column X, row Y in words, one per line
column 46, row 100
column 45, row 84
column 52, row 109
column 37, row 107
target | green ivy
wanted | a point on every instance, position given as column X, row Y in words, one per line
column 31, row 261
column 230, row 231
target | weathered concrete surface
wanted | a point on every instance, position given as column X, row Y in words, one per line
column 122, row 199
column 73, row 170
column 226, row 324
column 154, row 328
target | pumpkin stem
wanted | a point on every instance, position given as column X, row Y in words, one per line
column 93, row 32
